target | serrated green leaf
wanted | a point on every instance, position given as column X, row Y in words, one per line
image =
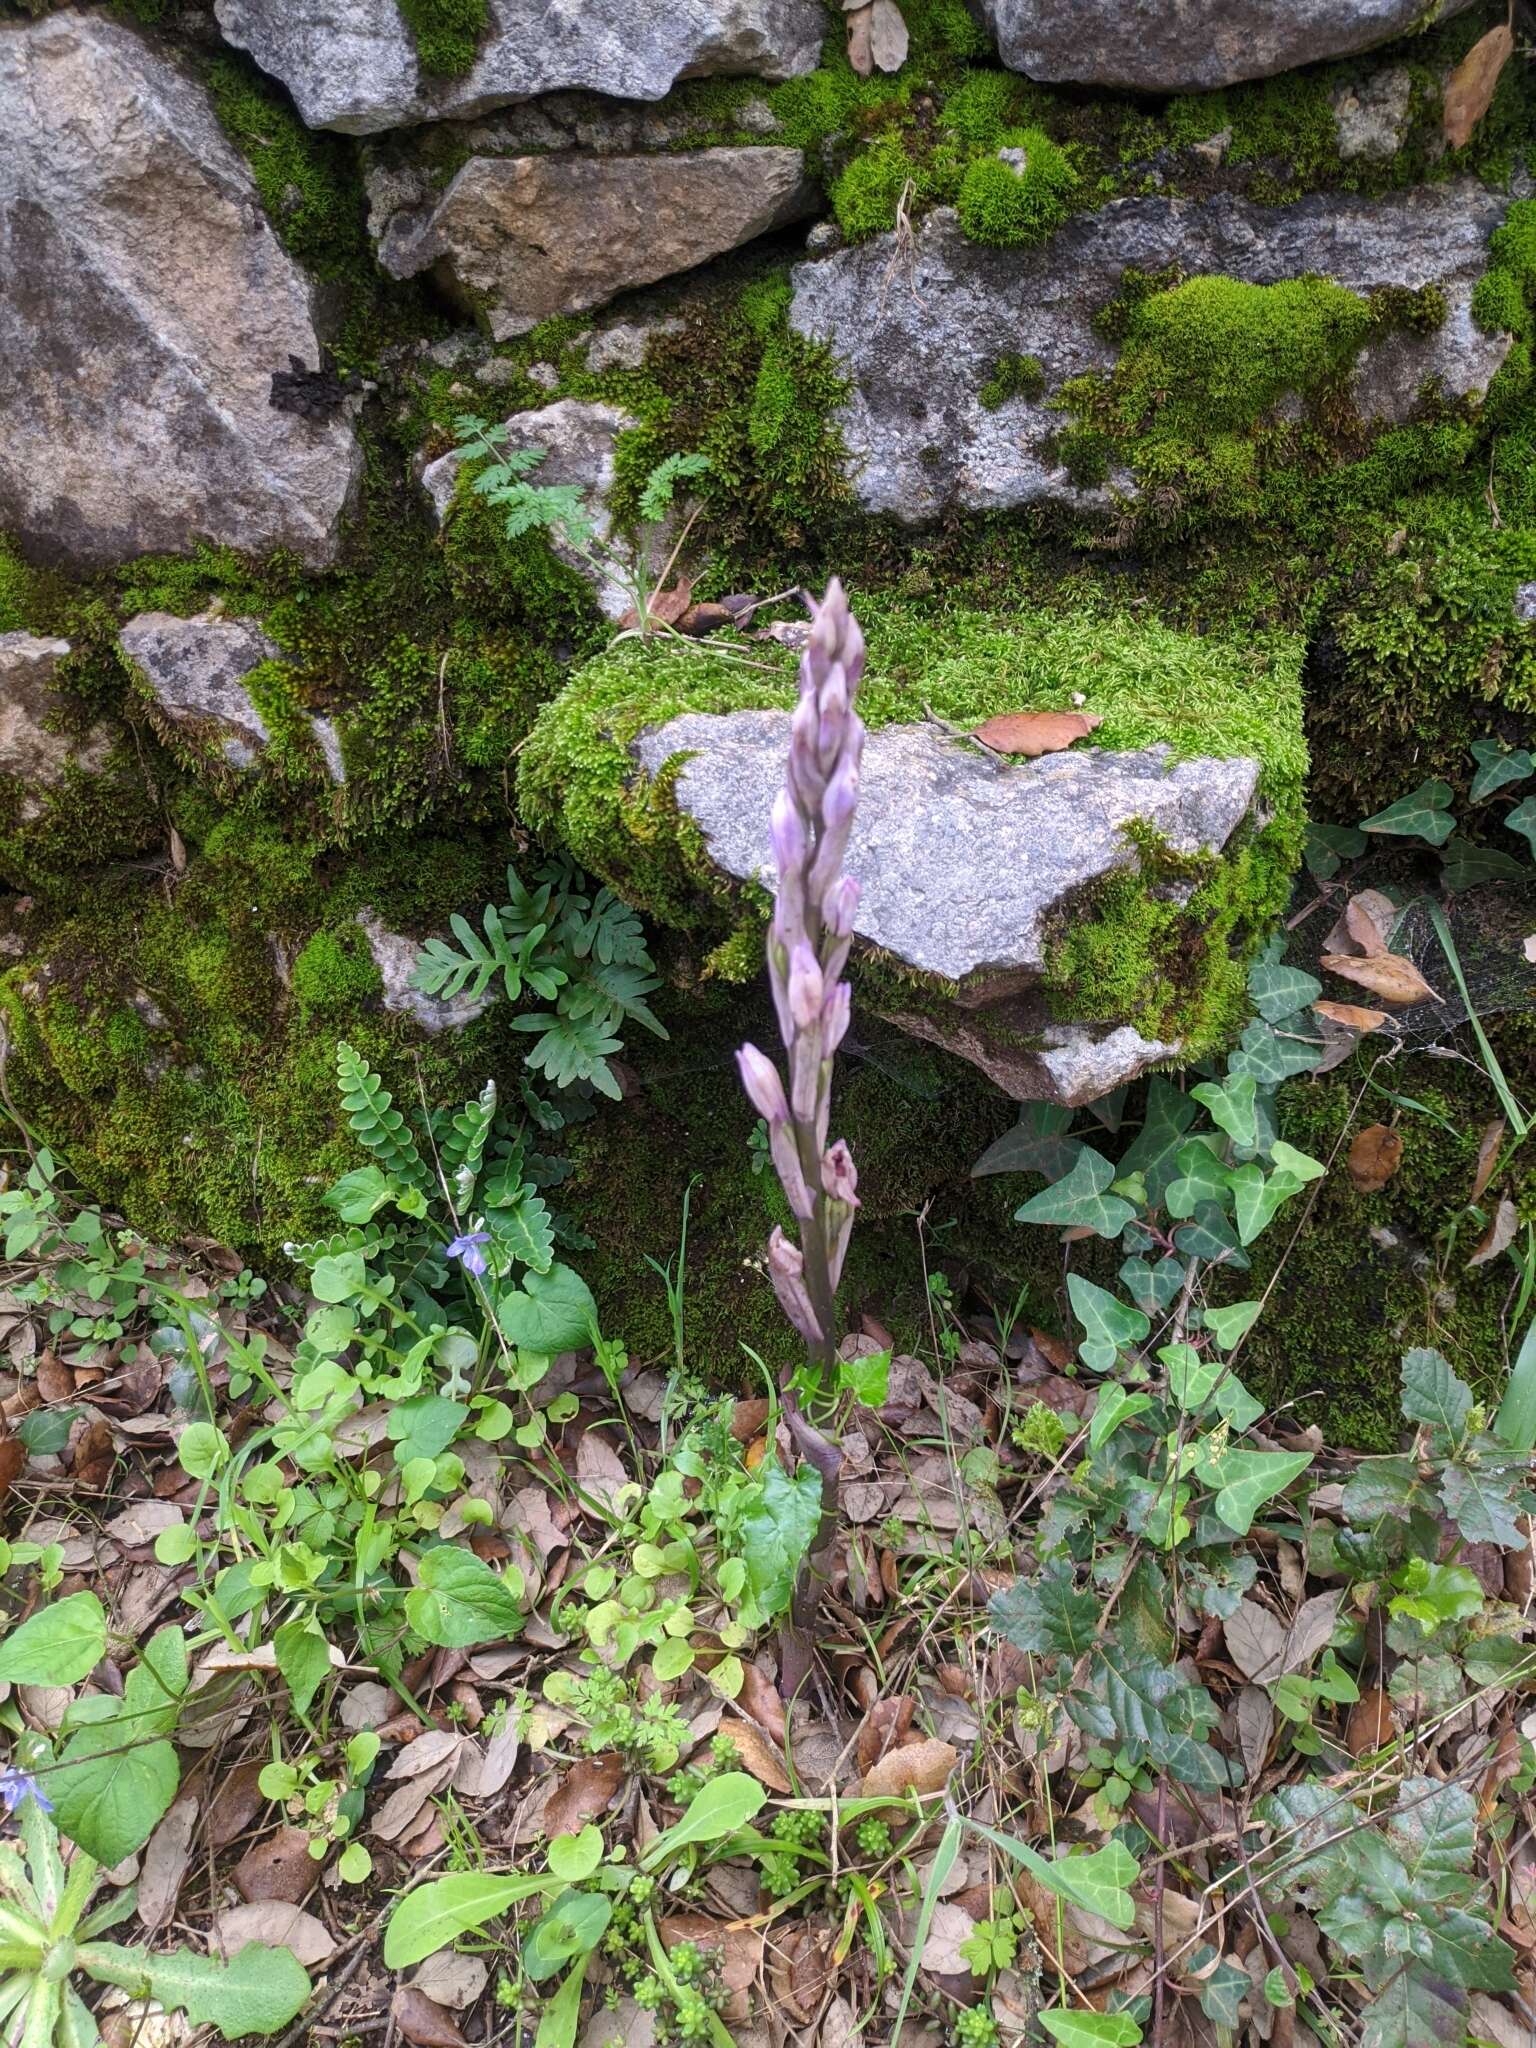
column 1049, row 1617
column 1433, row 1394
column 259, row 1991
column 1423, row 814
column 1158, row 1713
column 1111, row 1325
column 526, row 1230
column 1484, row 1502
column 1080, row 1199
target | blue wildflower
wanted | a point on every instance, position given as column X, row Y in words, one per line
column 18, row 1785
column 467, row 1250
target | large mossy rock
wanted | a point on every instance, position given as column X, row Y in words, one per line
column 1063, row 923
column 145, row 303
column 355, row 64
column 1150, row 335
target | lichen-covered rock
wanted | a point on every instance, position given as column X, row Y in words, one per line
column 520, row 239
column 577, row 437
column 197, row 670
column 353, row 64
column 395, row 956
column 145, row 303
column 1150, row 46
column 923, row 339
column 967, row 867
column 32, row 750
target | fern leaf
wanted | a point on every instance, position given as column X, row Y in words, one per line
column 371, row 1114
column 661, row 485
column 463, row 1149
column 369, row 1241
column 571, row 1049
column 526, row 1231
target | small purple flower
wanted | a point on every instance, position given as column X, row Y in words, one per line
column 467, row 1250
column 15, row 1786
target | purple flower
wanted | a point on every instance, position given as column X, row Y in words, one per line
column 467, row 1250
column 18, row 1785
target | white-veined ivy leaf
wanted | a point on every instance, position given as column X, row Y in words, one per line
column 1037, row 1143
column 1114, row 1406
column 1433, row 1394
column 1111, row 1324
column 1328, row 846
column 1223, row 1985
column 1228, row 1324
column 259, row 1991
column 1522, row 819
column 1190, row 1377
column 460, row 1602
column 1299, row 1165
column 777, row 1528
column 1208, row 1235
column 1050, row 1617
column 1075, row 2028
column 111, row 1786
column 1464, row 865
column 432, row 1915
column 1423, row 814
column 1272, row 1057
column 1201, row 1178
column 1484, row 1501
column 1280, row 991
column 1081, row 1200
column 1257, row 1199
column 1231, row 1105
column 717, row 1810
column 1235, row 1404
column 1247, row 1479
column 1498, row 766
column 551, row 1312
column 59, row 1645
column 1152, row 1287
column 1154, row 1150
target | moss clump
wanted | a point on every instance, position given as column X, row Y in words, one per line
column 1018, row 195
column 15, row 589
column 447, row 33
column 1013, row 376
column 335, row 973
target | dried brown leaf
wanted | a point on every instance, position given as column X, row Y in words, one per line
column 1255, row 1714
column 166, row 1857
column 1372, row 1723
column 278, row 1867
column 950, row 1926
column 885, row 1727
column 888, row 36
column 1470, row 88
column 422, row 2021
column 13, row 1462
column 753, row 1748
column 452, row 1979
column 279, row 1926
column 1369, row 919
column 599, row 1469
column 918, row 1767
column 1352, row 1016
column 589, row 1786
column 236, row 1801
column 1033, row 733
column 1387, row 975
column 861, row 44
column 759, row 1701
column 1374, row 1156
column 1499, row 1235
column 1487, row 1155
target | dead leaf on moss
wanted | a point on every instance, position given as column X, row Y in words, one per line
column 1487, row 1156
column 917, row 1767
column 1033, row 733
column 1499, row 1235
column 861, row 40
column 1353, row 1016
column 888, row 36
column 1387, row 975
column 1375, row 1155
column 1471, row 86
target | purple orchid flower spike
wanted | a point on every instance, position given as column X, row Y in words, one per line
column 808, row 945
column 468, row 1251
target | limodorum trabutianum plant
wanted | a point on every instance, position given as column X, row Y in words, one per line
column 808, row 942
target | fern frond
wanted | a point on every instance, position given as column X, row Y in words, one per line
column 661, row 485
column 572, row 1049
column 463, row 1149
column 369, row 1240
column 371, row 1114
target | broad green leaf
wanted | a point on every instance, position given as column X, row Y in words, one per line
column 1498, row 766
column 1328, row 846
column 1152, row 1154
column 1433, row 1832
column 111, row 1787
column 424, row 1426
column 459, row 1601
column 304, row 1659
column 1433, row 1394
column 1522, row 819
column 1465, row 865
column 1049, row 1617
column 1111, row 1324
column 1228, row 1325
column 1158, row 1712
column 435, row 1914
column 340, row 1276
column 572, row 1926
column 717, row 1810
column 1202, row 1177
column 574, row 1857
column 1231, row 1104
column 1152, row 1287
column 561, row 2014
column 1433, row 1594
column 1247, row 1479
column 1272, row 1057
column 1190, row 1377
column 359, row 1196
column 1423, row 814
column 776, row 1531
column 672, row 1659
column 550, row 1313
column 867, row 1379
column 1081, row 1200
column 59, row 1645
column 1235, row 1404
column 1099, row 1882
column 1082, row 2029
column 1037, row 1143
column 1515, row 1423
column 259, row 1991
column 1114, row 1406
column 1280, row 991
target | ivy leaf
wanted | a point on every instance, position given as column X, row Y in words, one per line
column 1201, row 1178
column 1327, row 847
column 1280, row 991
column 1522, row 819
column 1037, row 1143
column 1152, row 1287
column 1257, row 1199
column 777, row 1531
column 1156, row 1712
column 1433, row 1394
column 59, row 1645
column 459, row 1601
column 1228, row 1325
column 551, row 1312
column 1223, row 1986
column 1114, row 1406
column 1423, row 814
column 1231, row 1103
column 1271, row 1058
column 1083, row 2029
column 1247, row 1479
column 1208, row 1235
column 1100, row 1882
column 1498, row 766
column 1112, row 1325
column 1464, row 865
column 1049, row 1618
column 1154, row 1150
column 1079, row 1199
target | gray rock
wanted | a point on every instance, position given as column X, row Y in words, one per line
column 144, row 304
column 195, row 671
column 920, row 339
column 577, row 437
column 1050, row 829
column 30, row 749
column 623, row 346
column 520, row 239
column 395, row 956
column 351, row 64
column 1525, row 603
column 1371, row 114
column 1150, row 46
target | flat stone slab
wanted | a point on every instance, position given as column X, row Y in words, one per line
column 31, row 749
column 195, row 670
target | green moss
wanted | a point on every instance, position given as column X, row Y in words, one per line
column 866, row 196
column 1021, row 199
column 308, row 180
column 1013, row 376
column 446, row 32
column 15, row 589
column 335, row 972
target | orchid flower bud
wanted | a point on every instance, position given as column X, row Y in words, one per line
column 839, row 907
column 806, row 990
column 786, row 1269
column 836, row 1012
column 839, row 1176
column 787, row 830
column 765, row 1090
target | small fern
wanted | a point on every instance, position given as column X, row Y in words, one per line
column 374, row 1239
column 661, row 485
column 463, row 1148
column 371, row 1114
